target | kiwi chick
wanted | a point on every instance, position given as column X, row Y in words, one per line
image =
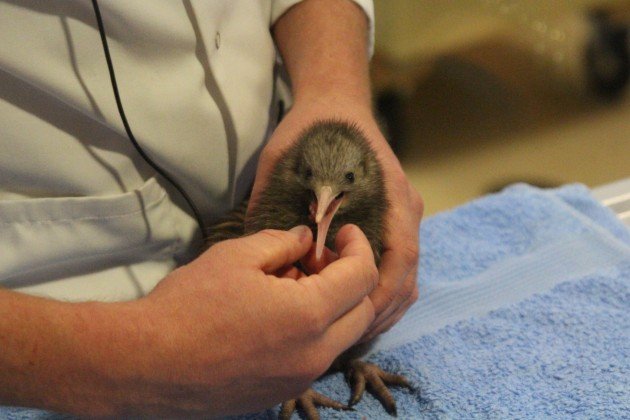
column 328, row 178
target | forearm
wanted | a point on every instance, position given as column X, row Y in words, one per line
column 60, row 356
column 324, row 46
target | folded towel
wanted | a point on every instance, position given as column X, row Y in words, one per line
column 524, row 312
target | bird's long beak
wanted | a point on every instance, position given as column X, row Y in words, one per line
column 327, row 206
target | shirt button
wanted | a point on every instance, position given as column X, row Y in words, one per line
column 217, row 40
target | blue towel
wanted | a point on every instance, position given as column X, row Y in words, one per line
column 524, row 312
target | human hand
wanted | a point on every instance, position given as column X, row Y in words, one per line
column 397, row 288
column 239, row 329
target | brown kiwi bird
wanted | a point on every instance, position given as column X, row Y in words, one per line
column 330, row 177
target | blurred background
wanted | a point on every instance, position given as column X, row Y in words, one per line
column 478, row 94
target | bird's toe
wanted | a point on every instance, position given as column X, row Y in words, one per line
column 308, row 402
column 362, row 374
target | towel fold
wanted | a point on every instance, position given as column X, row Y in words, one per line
column 524, row 312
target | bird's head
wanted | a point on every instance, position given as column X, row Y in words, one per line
column 337, row 170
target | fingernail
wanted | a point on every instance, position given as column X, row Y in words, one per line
column 301, row 231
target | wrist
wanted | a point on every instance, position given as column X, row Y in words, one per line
column 337, row 105
column 334, row 95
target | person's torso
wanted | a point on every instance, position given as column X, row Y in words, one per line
column 196, row 83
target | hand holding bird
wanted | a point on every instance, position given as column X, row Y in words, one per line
column 328, row 178
column 397, row 288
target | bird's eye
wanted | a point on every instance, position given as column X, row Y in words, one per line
column 350, row 176
column 308, row 174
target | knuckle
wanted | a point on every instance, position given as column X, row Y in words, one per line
column 314, row 363
column 410, row 253
column 389, row 296
column 417, row 203
column 275, row 235
column 371, row 272
column 269, row 237
column 415, row 294
column 386, row 327
column 365, row 271
column 302, row 367
column 409, row 293
column 313, row 322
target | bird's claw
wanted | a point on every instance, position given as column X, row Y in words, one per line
column 308, row 402
column 360, row 374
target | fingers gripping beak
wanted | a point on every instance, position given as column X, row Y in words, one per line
column 327, row 206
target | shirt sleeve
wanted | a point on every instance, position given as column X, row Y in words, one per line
column 279, row 7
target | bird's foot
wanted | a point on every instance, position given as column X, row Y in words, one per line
column 308, row 402
column 360, row 374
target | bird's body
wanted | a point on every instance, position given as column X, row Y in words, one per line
column 330, row 156
column 323, row 156
column 328, row 178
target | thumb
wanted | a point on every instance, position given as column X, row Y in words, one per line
column 270, row 250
